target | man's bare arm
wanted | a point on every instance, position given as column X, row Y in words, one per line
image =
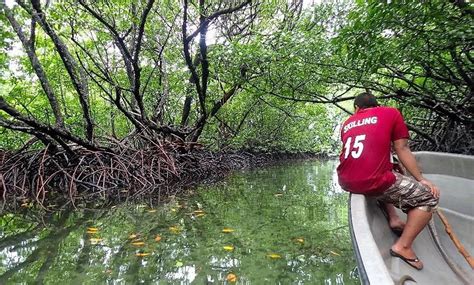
column 408, row 160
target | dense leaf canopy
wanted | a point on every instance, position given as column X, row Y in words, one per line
column 261, row 75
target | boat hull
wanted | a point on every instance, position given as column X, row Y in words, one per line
column 443, row 264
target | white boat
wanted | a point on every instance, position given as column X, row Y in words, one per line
column 443, row 263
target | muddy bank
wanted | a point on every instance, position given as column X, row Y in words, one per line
column 96, row 179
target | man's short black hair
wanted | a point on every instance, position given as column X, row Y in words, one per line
column 365, row 100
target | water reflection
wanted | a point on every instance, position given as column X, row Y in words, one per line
column 280, row 225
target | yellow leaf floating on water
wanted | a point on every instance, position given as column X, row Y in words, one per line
column 174, row 229
column 231, row 277
column 138, row 243
column 92, row 230
column 274, row 256
column 132, row 236
column 142, row 254
column 227, row 230
column 95, row 240
column 157, row 238
column 229, row 247
column 334, row 253
column 300, row 240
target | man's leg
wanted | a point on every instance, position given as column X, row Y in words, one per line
column 417, row 219
column 416, row 200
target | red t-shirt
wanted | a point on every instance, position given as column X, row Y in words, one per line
column 365, row 166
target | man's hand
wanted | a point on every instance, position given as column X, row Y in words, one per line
column 408, row 160
column 433, row 188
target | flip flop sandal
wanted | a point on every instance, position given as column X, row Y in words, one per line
column 407, row 260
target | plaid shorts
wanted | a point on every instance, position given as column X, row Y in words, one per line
column 407, row 193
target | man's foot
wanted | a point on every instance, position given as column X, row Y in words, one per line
column 410, row 258
column 396, row 225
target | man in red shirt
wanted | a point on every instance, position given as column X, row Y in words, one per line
column 365, row 168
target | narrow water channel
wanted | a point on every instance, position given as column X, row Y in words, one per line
column 284, row 224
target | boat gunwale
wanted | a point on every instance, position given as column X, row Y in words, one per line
column 363, row 277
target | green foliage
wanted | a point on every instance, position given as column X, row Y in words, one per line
column 420, row 53
column 266, row 63
column 276, row 46
column 290, row 127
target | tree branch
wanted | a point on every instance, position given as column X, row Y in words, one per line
column 204, row 24
column 76, row 74
column 28, row 45
column 48, row 130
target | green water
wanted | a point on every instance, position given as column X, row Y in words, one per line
column 285, row 224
